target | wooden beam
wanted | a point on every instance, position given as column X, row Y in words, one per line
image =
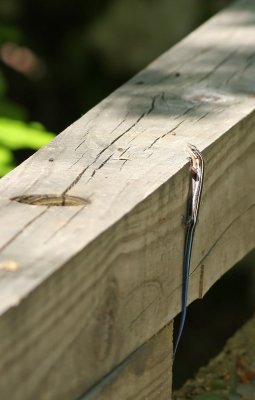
column 146, row 374
column 83, row 286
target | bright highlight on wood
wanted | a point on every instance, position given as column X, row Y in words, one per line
column 9, row 265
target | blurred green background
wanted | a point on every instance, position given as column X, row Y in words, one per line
column 58, row 58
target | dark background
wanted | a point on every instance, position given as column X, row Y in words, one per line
column 58, row 58
column 215, row 318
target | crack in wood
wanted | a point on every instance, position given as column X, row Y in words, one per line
column 201, row 282
column 203, row 116
column 214, row 69
column 85, row 134
column 100, row 166
column 165, row 134
column 64, row 225
column 77, row 179
column 173, row 129
column 18, row 233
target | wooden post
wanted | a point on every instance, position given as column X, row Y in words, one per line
column 84, row 284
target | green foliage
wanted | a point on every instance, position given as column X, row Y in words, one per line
column 3, row 84
column 9, row 33
column 15, row 133
column 208, row 396
column 6, row 161
column 18, row 135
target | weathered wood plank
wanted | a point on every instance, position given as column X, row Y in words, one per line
column 146, row 374
column 95, row 282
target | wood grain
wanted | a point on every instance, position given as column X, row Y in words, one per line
column 146, row 374
column 94, row 282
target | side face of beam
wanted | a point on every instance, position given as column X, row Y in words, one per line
column 146, row 374
column 83, row 286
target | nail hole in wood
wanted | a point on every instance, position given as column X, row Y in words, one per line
column 51, row 200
